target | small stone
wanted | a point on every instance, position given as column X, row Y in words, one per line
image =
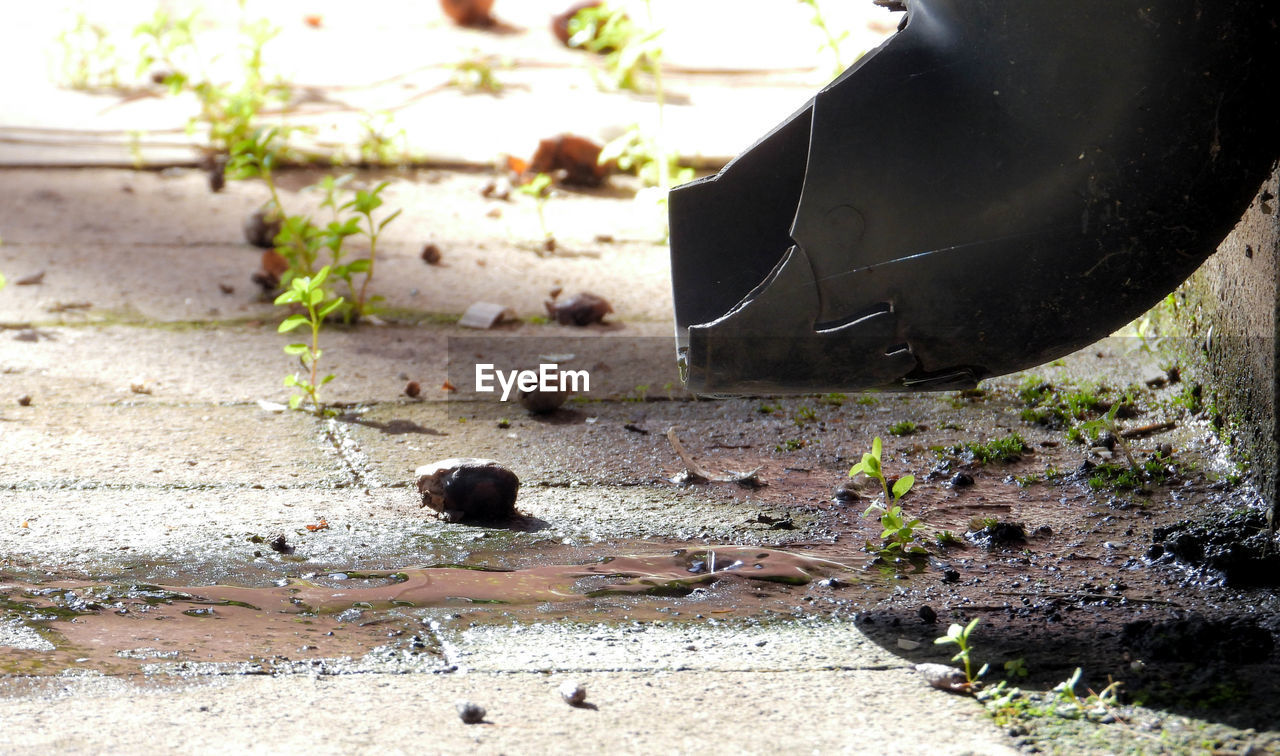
column 412, row 389
column 280, row 545
column 950, row 576
column 961, row 479
column 485, row 315
column 927, row 614
column 541, row 402
column 464, row 488
column 24, row 400
column 498, row 188
column 944, row 677
column 579, row 310
column 261, row 227
column 469, row 712
column 573, row 692
column 1105, row 440
column 847, row 491
column 431, row 254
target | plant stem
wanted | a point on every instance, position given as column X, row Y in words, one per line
column 373, row 259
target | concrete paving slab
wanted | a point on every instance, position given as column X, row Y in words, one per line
column 771, row 645
column 101, row 245
column 122, row 445
column 243, row 362
column 402, row 60
column 683, row 712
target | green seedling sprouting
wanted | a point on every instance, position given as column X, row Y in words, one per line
column 804, row 415
column 364, row 204
column 1095, row 704
column 475, row 75
column 960, row 637
column 870, row 466
column 309, row 293
column 90, row 60
column 629, row 48
column 897, row 532
column 1015, row 668
column 540, row 189
column 833, row 400
column 831, row 40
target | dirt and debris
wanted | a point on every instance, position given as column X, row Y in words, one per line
column 465, row 489
column 431, row 254
column 695, row 473
column 560, row 23
column 470, row 713
column 473, row 13
column 573, row 692
column 540, row 402
column 1239, row 549
column 580, row 310
column 261, row 227
column 570, row 159
column 274, row 265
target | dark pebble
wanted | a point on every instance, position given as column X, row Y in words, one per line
column 261, row 227
column 927, row 614
column 469, row 712
column 961, row 480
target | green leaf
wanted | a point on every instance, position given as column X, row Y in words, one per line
column 389, row 218
column 326, row 379
column 315, row 297
column 856, row 470
column 877, row 449
column 292, row 296
column 359, row 266
column 320, row 277
column 324, row 311
column 290, row 323
column 903, row 485
column 871, row 464
column 291, row 380
column 296, row 349
column 295, row 401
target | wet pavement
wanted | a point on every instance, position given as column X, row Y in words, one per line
column 189, row 565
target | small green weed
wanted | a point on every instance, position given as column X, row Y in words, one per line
column 871, row 467
column 831, row 40
column 804, row 415
column 959, row 636
column 1191, row 399
column 904, row 428
column 540, row 189
column 791, row 444
column 90, row 59
column 946, row 539
column 1007, row 449
column 309, row 293
column 476, row 75
column 1016, row 668
column 866, row 400
column 898, row 534
column 768, row 409
column 833, row 400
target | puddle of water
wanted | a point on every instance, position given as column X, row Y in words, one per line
column 130, row 628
